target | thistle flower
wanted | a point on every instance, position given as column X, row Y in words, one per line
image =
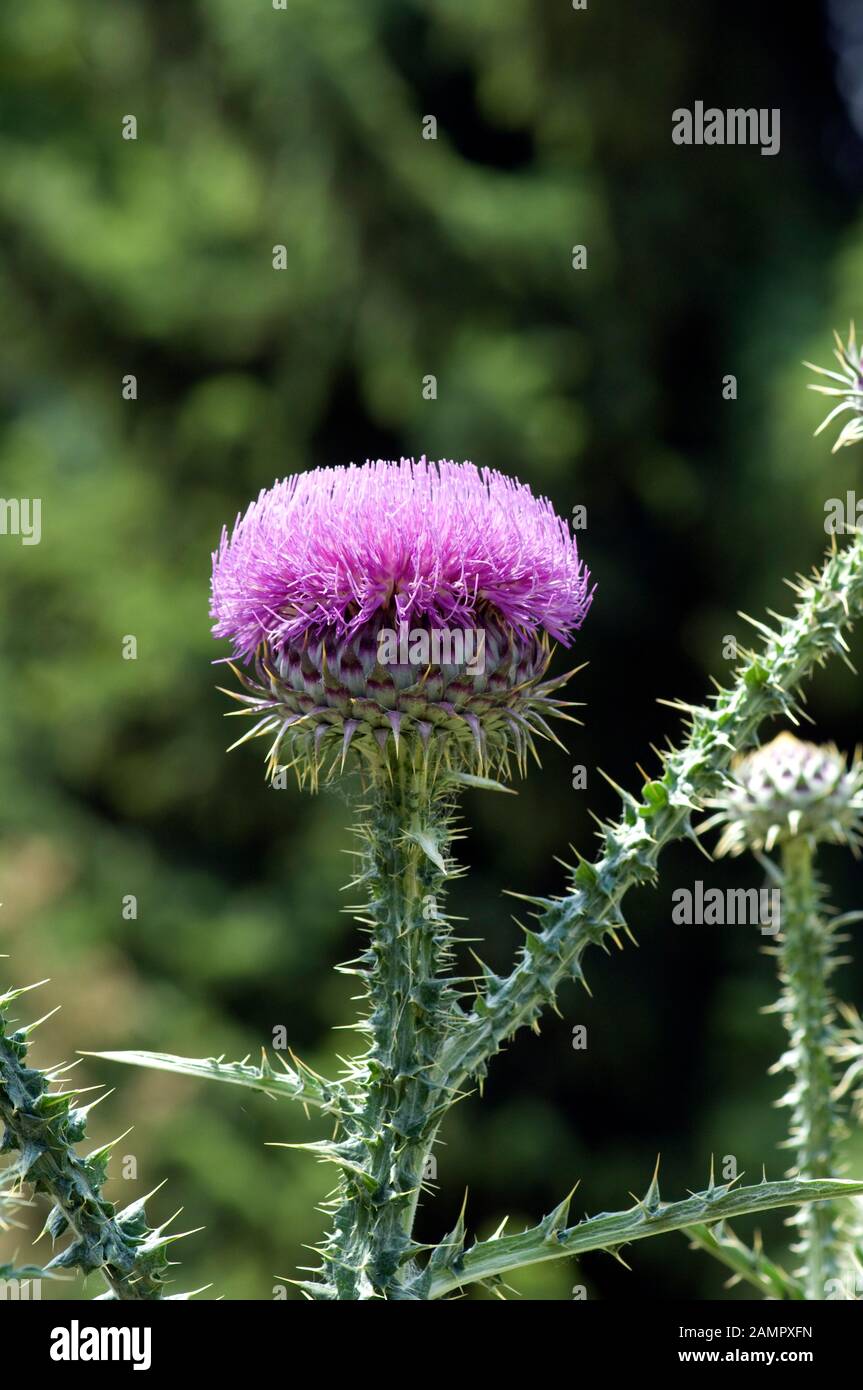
column 411, row 600
column 849, row 389
column 786, row 790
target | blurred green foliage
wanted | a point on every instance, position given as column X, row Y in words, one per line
column 602, row 387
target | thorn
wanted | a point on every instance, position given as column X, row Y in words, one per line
column 29, row 1028
column 555, row 1222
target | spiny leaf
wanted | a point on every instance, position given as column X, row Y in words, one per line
column 611, row 1230
column 748, row 1263
column 470, row 779
column 271, row 1083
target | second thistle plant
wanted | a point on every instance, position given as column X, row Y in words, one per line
column 791, row 796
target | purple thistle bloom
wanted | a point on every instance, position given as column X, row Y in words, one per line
column 324, row 568
column 328, row 550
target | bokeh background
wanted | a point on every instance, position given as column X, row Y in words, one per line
column 600, row 387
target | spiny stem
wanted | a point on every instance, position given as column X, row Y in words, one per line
column 383, row 1140
column 43, row 1128
column 767, row 684
column 805, row 964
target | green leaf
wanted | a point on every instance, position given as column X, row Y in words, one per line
column 289, row 1083
column 609, row 1231
column 486, row 784
column 747, row 1262
column 656, row 796
column 25, row 1273
column 429, row 848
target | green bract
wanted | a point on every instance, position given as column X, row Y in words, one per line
column 325, row 699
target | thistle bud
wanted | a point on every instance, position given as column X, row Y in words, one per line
column 790, row 789
column 847, row 387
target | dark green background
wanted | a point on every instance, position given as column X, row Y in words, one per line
column 600, row 387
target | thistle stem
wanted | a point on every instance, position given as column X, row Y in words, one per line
column 805, row 964
column 384, row 1138
column 766, row 684
column 42, row 1127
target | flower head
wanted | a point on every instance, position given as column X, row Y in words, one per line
column 790, row 789
column 330, row 549
column 398, row 598
column 849, row 389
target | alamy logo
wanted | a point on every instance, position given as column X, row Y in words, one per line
column 733, row 907
column 20, row 1290
column 736, row 126
column 77, row 1343
column 21, row 516
column 441, row 646
column 843, row 514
